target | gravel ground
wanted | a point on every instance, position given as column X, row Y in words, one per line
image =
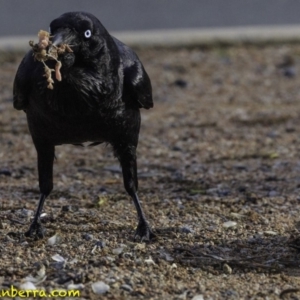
column 219, row 169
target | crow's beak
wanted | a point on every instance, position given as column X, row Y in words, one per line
column 57, row 39
column 63, row 36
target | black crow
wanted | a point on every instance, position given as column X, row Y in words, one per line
column 103, row 87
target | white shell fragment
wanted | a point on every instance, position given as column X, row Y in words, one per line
column 27, row 286
column 58, row 258
column 198, row 297
column 53, row 240
column 149, row 261
column 73, row 286
column 100, row 287
column 94, row 249
column 270, row 232
column 237, row 216
column 36, row 280
column 229, row 224
column 41, row 272
column 41, row 276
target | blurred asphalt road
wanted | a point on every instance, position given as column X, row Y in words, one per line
column 20, row 17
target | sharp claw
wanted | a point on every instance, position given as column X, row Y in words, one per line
column 144, row 232
column 35, row 230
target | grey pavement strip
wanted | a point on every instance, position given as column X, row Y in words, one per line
column 185, row 37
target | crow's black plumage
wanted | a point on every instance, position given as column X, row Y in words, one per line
column 103, row 87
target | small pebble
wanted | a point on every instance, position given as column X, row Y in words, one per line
column 100, row 244
column 5, row 172
column 117, row 251
column 186, row 229
column 25, row 213
column 127, row 287
column 212, row 228
column 227, row 269
column 289, row 72
column 165, row 255
column 140, row 246
column 229, row 224
column 100, row 287
column 70, row 208
column 87, row 237
column 273, row 194
column 180, row 83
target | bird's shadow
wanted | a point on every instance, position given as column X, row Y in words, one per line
column 264, row 254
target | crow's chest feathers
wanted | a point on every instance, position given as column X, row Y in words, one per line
column 74, row 95
column 83, row 91
column 66, row 100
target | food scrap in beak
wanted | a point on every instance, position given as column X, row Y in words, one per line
column 46, row 49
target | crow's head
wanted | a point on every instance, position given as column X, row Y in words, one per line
column 83, row 32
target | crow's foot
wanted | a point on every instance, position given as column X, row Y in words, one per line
column 144, row 232
column 36, row 231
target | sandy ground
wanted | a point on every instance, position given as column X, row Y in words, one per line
column 219, row 177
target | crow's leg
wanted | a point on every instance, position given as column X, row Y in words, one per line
column 45, row 153
column 127, row 158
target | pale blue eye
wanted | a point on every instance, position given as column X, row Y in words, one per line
column 87, row 33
